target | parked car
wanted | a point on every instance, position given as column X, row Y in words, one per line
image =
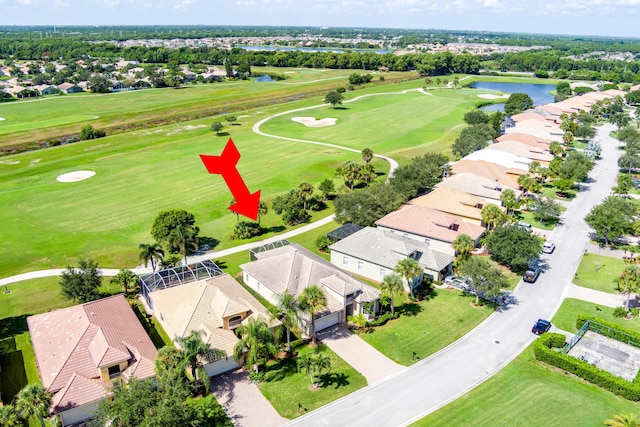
column 548, row 247
column 457, row 282
column 525, row 226
column 532, row 273
column 541, row 326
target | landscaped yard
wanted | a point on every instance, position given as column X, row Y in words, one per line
column 570, row 309
column 285, row 387
column 428, row 326
column 529, row 393
column 599, row 272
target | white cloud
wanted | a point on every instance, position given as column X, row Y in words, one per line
column 491, row 4
column 26, row 2
column 184, row 4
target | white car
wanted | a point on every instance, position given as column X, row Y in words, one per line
column 548, row 247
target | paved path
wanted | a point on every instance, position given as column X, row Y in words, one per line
column 359, row 354
column 594, row 296
column 243, row 402
column 424, row 387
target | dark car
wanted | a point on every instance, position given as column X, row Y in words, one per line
column 541, row 327
column 532, row 273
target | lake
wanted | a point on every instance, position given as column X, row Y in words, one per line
column 264, row 78
column 539, row 93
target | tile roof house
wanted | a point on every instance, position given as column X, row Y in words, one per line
column 429, row 225
column 479, row 186
column 374, row 253
column 453, row 202
column 81, row 350
column 69, row 88
column 502, row 158
column 493, row 171
column 544, row 157
column 528, row 139
column 215, row 307
column 46, row 89
column 294, row 268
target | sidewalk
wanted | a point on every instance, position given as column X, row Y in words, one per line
column 596, row 297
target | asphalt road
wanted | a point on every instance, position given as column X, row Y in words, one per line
column 433, row 382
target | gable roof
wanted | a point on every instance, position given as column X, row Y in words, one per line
column 77, row 341
column 477, row 185
column 523, row 150
column 384, row 248
column 502, row 158
column 204, row 305
column 523, row 137
column 452, row 201
column 295, row 268
column 430, row 223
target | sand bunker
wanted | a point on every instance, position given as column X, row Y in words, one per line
column 2, row 119
column 490, row 96
column 313, row 123
column 75, row 176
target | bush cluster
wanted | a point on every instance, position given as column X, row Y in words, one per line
column 383, row 319
column 612, row 330
column 544, row 350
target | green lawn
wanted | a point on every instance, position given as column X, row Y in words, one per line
column 285, row 387
column 604, row 277
column 428, row 326
column 567, row 315
column 527, row 216
column 549, row 191
column 529, row 393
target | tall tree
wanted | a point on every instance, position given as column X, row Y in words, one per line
column 509, row 200
column 184, row 239
column 350, row 172
column 127, row 279
column 410, row 270
column 150, row 252
column 485, row 280
column 256, row 343
column 263, row 209
column 391, row 287
column 82, row 284
column 334, row 98
column 33, row 401
column 513, row 246
column 312, row 301
column 612, row 218
column 286, row 311
column 367, row 155
column 629, row 282
column 167, row 221
column 305, row 190
column 314, row 365
column 492, row 215
column 517, row 103
column 217, row 127
column 327, row 187
column 231, row 203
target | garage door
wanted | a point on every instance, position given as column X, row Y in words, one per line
column 328, row 320
column 220, row 366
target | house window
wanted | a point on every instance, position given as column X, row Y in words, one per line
column 345, row 260
column 360, row 265
column 114, row 371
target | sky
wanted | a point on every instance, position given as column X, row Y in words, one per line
column 618, row 18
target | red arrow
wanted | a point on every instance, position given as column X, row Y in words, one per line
column 225, row 165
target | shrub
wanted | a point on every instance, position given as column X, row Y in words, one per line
column 611, row 330
column 88, row 132
column 323, row 243
column 256, row 377
column 246, row 230
column 544, row 351
column 383, row 319
column 620, row 312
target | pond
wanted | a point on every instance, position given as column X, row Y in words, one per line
column 539, row 93
column 264, row 78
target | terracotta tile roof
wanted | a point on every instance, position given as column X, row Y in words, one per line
column 535, row 131
column 502, row 158
column 75, row 342
column 523, row 150
column 493, row 171
column 452, row 201
column 430, row 223
column 523, row 137
column 203, row 306
column 530, row 115
column 477, row 185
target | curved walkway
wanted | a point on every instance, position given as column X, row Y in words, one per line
column 595, row 296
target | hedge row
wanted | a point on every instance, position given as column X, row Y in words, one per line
column 545, row 352
column 615, row 331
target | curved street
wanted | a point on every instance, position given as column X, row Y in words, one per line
column 422, row 388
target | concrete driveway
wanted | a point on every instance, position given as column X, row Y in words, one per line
column 359, row 354
column 243, row 402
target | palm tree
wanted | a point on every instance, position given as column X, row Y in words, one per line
column 314, row 365
column 623, row 420
column 367, row 155
column 9, row 417
column 33, row 401
column 231, row 203
column 184, row 239
column 629, row 281
column 286, row 311
column 410, row 270
column 392, row 287
column 312, row 301
column 194, row 349
column 556, row 148
column 463, row 245
column 263, row 209
column 127, row 279
column 150, row 252
column 256, row 339
column 509, row 200
column 492, row 215
column 305, row 190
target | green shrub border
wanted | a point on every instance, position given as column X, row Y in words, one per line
column 545, row 350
